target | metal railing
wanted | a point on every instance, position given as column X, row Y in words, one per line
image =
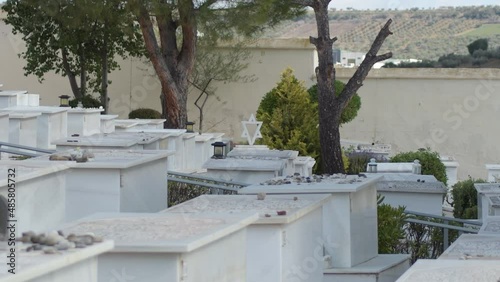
column 199, row 184
column 16, row 149
column 474, row 226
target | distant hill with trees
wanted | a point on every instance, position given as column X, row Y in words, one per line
column 418, row 34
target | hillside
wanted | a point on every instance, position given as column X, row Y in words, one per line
column 420, row 34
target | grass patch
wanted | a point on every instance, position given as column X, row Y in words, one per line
column 485, row 30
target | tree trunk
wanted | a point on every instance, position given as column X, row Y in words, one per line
column 83, row 74
column 70, row 74
column 328, row 107
column 172, row 66
column 104, row 77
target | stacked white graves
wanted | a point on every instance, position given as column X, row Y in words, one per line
column 349, row 225
column 451, row 166
column 285, row 243
column 108, row 123
column 416, row 192
column 51, row 124
column 33, row 194
column 171, row 246
column 138, row 124
column 203, row 146
column 111, row 181
column 83, row 121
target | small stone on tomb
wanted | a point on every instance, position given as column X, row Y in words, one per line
column 281, row 212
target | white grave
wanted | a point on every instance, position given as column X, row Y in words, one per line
column 203, row 149
column 108, row 123
column 175, row 143
column 393, row 167
column 23, row 128
column 115, row 181
column 187, row 162
column 451, row 166
column 84, row 122
column 276, row 244
column 35, row 266
column 171, row 247
column 304, row 165
column 493, row 172
column 419, row 193
column 252, row 171
column 351, row 225
column 51, row 123
column 484, row 190
column 452, row 270
column 288, row 155
column 39, row 193
column 9, row 98
column 474, row 247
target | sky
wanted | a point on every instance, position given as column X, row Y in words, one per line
column 402, row 4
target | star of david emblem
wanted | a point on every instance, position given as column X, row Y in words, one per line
column 246, row 134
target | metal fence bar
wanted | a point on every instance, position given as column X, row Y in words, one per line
column 203, row 184
column 471, row 222
column 441, row 225
column 17, row 146
column 17, row 152
column 207, row 178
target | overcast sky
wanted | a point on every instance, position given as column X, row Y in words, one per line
column 401, row 4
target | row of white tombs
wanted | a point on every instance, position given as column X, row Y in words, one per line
column 96, row 209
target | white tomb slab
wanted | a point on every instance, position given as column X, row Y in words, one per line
column 172, row 247
column 493, row 172
column 111, row 141
column 250, row 171
column 39, row 193
column 452, row 270
column 9, row 98
column 288, row 155
column 84, row 122
column 108, row 123
column 484, row 190
column 351, row 225
column 474, row 247
column 150, row 140
column 419, row 193
column 51, row 123
column 115, row 181
column 33, row 100
column 23, row 128
column 276, row 244
column 154, row 123
column 68, row 265
column 491, row 226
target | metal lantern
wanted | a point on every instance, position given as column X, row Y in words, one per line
column 219, row 150
column 64, row 101
column 372, row 166
column 190, row 126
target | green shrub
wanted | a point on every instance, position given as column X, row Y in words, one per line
column 480, row 44
column 88, row 101
column 144, row 113
column 465, row 199
column 289, row 116
column 359, row 160
column 431, row 164
column 391, row 221
column 350, row 112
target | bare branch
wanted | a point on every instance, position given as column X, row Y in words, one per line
column 371, row 58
